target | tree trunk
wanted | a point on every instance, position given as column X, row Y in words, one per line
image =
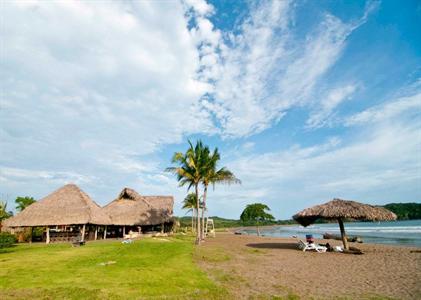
column 343, row 234
column 198, row 221
column 192, row 220
column 205, row 191
column 258, row 230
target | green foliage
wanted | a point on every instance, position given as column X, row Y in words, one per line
column 7, row 239
column 231, row 223
column 195, row 167
column 23, row 202
column 4, row 214
column 190, row 202
column 146, row 269
column 256, row 213
column 405, row 211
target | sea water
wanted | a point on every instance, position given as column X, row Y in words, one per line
column 392, row 233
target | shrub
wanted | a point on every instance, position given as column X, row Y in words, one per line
column 6, row 239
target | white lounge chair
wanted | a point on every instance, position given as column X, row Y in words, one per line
column 311, row 246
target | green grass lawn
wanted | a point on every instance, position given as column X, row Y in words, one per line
column 145, row 269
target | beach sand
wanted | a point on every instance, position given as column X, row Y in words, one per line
column 263, row 268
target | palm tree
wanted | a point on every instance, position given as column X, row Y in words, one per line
column 189, row 171
column 190, row 204
column 4, row 214
column 213, row 176
column 24, row 202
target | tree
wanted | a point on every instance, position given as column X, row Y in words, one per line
column 4, row 214
column 23, row 202
column 256, row 213
column 189, row 172
column 211, row 175
column 190, row 203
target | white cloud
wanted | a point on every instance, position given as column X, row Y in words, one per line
column 328, row 103
column 387, row 111
column 92, row 94
column 264, row 70
column 380, row 166
column 14, row 174
column 200, row 7
column 93, row 90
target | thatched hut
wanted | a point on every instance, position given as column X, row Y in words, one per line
column 132, row 211
column 338, row 209
column 66, row 213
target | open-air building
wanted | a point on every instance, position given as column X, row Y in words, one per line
column 69, row 214
column 136, row 213
column 66, row 214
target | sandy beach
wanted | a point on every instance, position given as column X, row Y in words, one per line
column 262, row 267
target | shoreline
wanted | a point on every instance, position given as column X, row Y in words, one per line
column 302, row 236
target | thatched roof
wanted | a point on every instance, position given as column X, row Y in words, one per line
column 344, row 209
column 65, row 206
column 130, row 209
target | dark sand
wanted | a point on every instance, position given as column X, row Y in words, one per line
column 262, row 268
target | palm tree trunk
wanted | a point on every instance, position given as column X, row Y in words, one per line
column 205, row 191
column 192, row 220
column 198, row 221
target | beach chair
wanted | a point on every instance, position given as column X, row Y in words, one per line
column 311, row 246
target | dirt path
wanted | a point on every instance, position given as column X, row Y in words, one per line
column 265, row 268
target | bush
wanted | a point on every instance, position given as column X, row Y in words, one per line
column 6, row 239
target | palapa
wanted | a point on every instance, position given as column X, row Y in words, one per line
column 338, row 209
column 68, row 205
column 131, row 208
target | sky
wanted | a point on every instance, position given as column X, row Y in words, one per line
column 305, row 100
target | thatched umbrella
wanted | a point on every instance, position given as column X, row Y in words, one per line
column 338, row 209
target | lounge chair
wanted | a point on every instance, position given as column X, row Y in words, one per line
column 311, row 246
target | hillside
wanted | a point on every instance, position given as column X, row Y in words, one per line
column 227, row 223
column 405, row 211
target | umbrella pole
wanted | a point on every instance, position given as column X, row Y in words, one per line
column 343, row 234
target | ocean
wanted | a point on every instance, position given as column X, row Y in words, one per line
column 406, row 233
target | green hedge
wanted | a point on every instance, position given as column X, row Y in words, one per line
column 6, row 239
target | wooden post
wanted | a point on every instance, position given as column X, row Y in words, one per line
column 30, row 238
column 343, row 234
column 105, row 232
column 124, row 231
column 83, row 233
column 162, row 227
column 47, row 240
column 96, row 232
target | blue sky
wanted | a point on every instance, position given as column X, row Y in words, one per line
column 306, row 100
